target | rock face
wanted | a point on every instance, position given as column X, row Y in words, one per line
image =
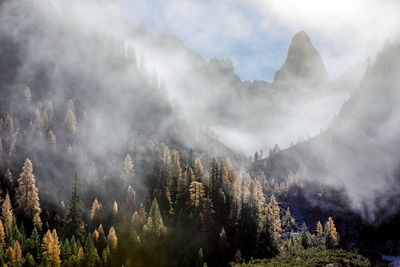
column 303, row 64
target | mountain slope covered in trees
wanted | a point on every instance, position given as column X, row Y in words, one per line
column 101, row 165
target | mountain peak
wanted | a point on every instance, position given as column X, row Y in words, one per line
column 303, row 63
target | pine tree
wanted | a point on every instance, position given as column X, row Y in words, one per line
column 2, row 235
column 306, row 241
column 37, row 222
column 112, row 239
column 70, row 119
column 101, row 241
column 106, row 256
column 197, row 194
column 331, row 235
column 18, row 254
column 32, row 244
column 256, row 199
column 115, row 210
column 10, row 256
column 73, row 223
column 92, row 258
column 136, row 221
column 81, row 257
column 9, row 177
column 96, row 209
column 51, row 248
column 52, row 139
column 128, row 168
column 130, row 204
column 6, row 211
column 319, row 231
column 155, row 226
column 273, row 219
column 27, row 194
column 198, row 170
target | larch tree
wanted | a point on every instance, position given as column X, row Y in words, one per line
column 198, row 170
column 319, row 231
column 6, row 211
column 70, row 119
column 10, row 255
column 18, row 253
column 51, row 248
column 52, row 139
column 96, row 209
column 73, row 223
column 2, row 234
column 37, row 222
column 27, row 194
column 331, row 235
column 197, row 193
column 115, row 210
column 112, row 239
column 128, row 168
column 273, row 218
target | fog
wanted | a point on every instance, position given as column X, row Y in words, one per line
column 137, row 86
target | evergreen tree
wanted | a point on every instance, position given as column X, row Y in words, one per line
column 106, row 256
column 6, row 211
column 27, row 194
column 154, row 226
column 92, row 258
column 73, row 223
column 306, row 240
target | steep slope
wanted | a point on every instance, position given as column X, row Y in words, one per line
column 358, row 153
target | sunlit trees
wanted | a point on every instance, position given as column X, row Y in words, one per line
column 331, row 235
column 27, row 194
column 154, row 226
column 273, row 218
column 6, row 211
column 112, row 239
column 51, row 248
column 96, row 209
column 197, row 194
column 2, row 234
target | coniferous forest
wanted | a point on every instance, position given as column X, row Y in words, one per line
column 101, row 166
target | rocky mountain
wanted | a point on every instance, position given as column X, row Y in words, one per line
column 358, row 152
column 303, row 64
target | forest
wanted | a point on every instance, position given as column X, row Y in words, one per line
column 120, row 147
column 160, row 207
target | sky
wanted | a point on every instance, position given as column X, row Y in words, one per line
column 256, row 34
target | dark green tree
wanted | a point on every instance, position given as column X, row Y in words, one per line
column 73, row 223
